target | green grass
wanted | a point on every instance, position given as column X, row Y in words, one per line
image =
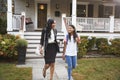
column 9, row 71
column 97, row 69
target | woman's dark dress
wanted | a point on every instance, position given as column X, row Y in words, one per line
column 51, row 49
column 50, row 53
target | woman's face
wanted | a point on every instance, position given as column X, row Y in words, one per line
column 70, row 29
column 54, row 24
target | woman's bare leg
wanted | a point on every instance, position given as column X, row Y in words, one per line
column 46, row 66
column 52, row 67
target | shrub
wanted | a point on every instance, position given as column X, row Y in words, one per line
column 115, row 46
column 82, row 50
column 103, row 46
column 91, row 43
column 3, row 26
column 7, row 47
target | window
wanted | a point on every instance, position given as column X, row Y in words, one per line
column 108, row 11
column 81, row 10
column 105, row 11
column 117, row 11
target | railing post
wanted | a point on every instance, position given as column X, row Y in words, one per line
column 22, row 26
column 111, row 24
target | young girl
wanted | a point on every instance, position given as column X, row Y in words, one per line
column 70, row 49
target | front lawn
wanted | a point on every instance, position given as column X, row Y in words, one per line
column 9, row 71
column 97, row 69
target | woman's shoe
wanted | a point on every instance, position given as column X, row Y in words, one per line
column 44, row 73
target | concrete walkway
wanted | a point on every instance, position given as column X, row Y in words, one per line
column 37, row 66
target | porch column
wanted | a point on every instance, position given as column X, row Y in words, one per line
column 111, row 24
column 74, row 4
column 9, row 15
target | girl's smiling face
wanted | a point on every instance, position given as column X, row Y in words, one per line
column 70, row 29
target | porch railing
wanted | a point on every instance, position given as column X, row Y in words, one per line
column 19, row 23
column 90, row 24
column 117, row 25
column 94, row 24
column 83, row 24
column 16, row 22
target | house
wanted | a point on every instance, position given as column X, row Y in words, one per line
column 100, row 18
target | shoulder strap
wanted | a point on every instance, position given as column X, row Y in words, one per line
column 67, row 38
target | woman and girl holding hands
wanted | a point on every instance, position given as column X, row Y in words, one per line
column 49, row 41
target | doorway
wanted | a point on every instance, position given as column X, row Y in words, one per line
column 42, row 15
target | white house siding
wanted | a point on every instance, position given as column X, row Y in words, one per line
column 30, row 11
column 20, row 6
column 64, row 7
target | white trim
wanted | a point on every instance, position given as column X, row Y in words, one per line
column 36, row 12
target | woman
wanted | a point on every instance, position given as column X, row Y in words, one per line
column 70, row 49
column 48, row 40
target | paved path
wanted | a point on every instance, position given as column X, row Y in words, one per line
column 37, row 66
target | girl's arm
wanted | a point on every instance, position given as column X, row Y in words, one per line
column 66, row 25
column 64, row 49
column 78, row 39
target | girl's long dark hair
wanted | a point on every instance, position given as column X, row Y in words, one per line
column 49, row 26
column 74, row 33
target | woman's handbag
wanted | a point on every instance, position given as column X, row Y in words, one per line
column 37, row 51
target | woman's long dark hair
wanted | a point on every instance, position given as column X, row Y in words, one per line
column 74, row 33
column 49, row 26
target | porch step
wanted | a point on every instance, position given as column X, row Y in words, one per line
column 33, row 49
column 33, row 39
column 35, row 56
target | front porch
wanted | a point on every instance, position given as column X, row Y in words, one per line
column 93, row 15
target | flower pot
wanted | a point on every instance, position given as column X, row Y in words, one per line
column 21, row 54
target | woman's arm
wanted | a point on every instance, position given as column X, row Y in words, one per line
column 42, row 38
column 42, row 41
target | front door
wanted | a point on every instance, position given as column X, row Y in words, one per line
column 42, row 15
